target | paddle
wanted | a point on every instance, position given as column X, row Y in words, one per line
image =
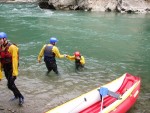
column 103, row 92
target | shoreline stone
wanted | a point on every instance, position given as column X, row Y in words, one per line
column 121, row 6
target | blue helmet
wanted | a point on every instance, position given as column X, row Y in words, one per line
column 3, row 35
column 53, row 40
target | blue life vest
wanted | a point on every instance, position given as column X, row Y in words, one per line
column 49, row 56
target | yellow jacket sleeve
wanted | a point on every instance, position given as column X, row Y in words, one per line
column 13, row 50
column 1, row 75
column 41, row 53
column 82, row 60
column 57, row 53
column 71, row 57
column 54, row 50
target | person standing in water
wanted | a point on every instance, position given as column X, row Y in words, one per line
column 79, row 60
column 9, row 60
column 50, row 51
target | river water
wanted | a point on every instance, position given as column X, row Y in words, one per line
column 111, row 43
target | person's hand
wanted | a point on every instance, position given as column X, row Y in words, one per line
column 65, row 55
column 39, row 61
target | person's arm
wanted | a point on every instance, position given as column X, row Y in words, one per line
column 14, row 52
column 1, row 75
column 82, row 60
column 70, row 57
column 41, row 54
column 57, row 53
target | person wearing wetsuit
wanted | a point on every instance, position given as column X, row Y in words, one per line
column 9, row 59
column 50, row 51
column 79, row 60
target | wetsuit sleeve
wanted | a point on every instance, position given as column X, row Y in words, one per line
column 57, row 53
column 71, row 57
column 41, row 53
column 1, row 75
column 13, row 50
column 82, row 60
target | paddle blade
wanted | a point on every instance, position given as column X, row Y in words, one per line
column 103, row 91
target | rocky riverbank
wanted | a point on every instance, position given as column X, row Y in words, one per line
column 122, row 6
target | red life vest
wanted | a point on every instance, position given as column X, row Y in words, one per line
column 5, row 56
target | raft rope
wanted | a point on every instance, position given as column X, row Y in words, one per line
column 103, row 91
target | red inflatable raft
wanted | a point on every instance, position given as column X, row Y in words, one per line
column 117, row 96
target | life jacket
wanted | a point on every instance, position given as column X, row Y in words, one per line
column 49, row 56
column 6, row 57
